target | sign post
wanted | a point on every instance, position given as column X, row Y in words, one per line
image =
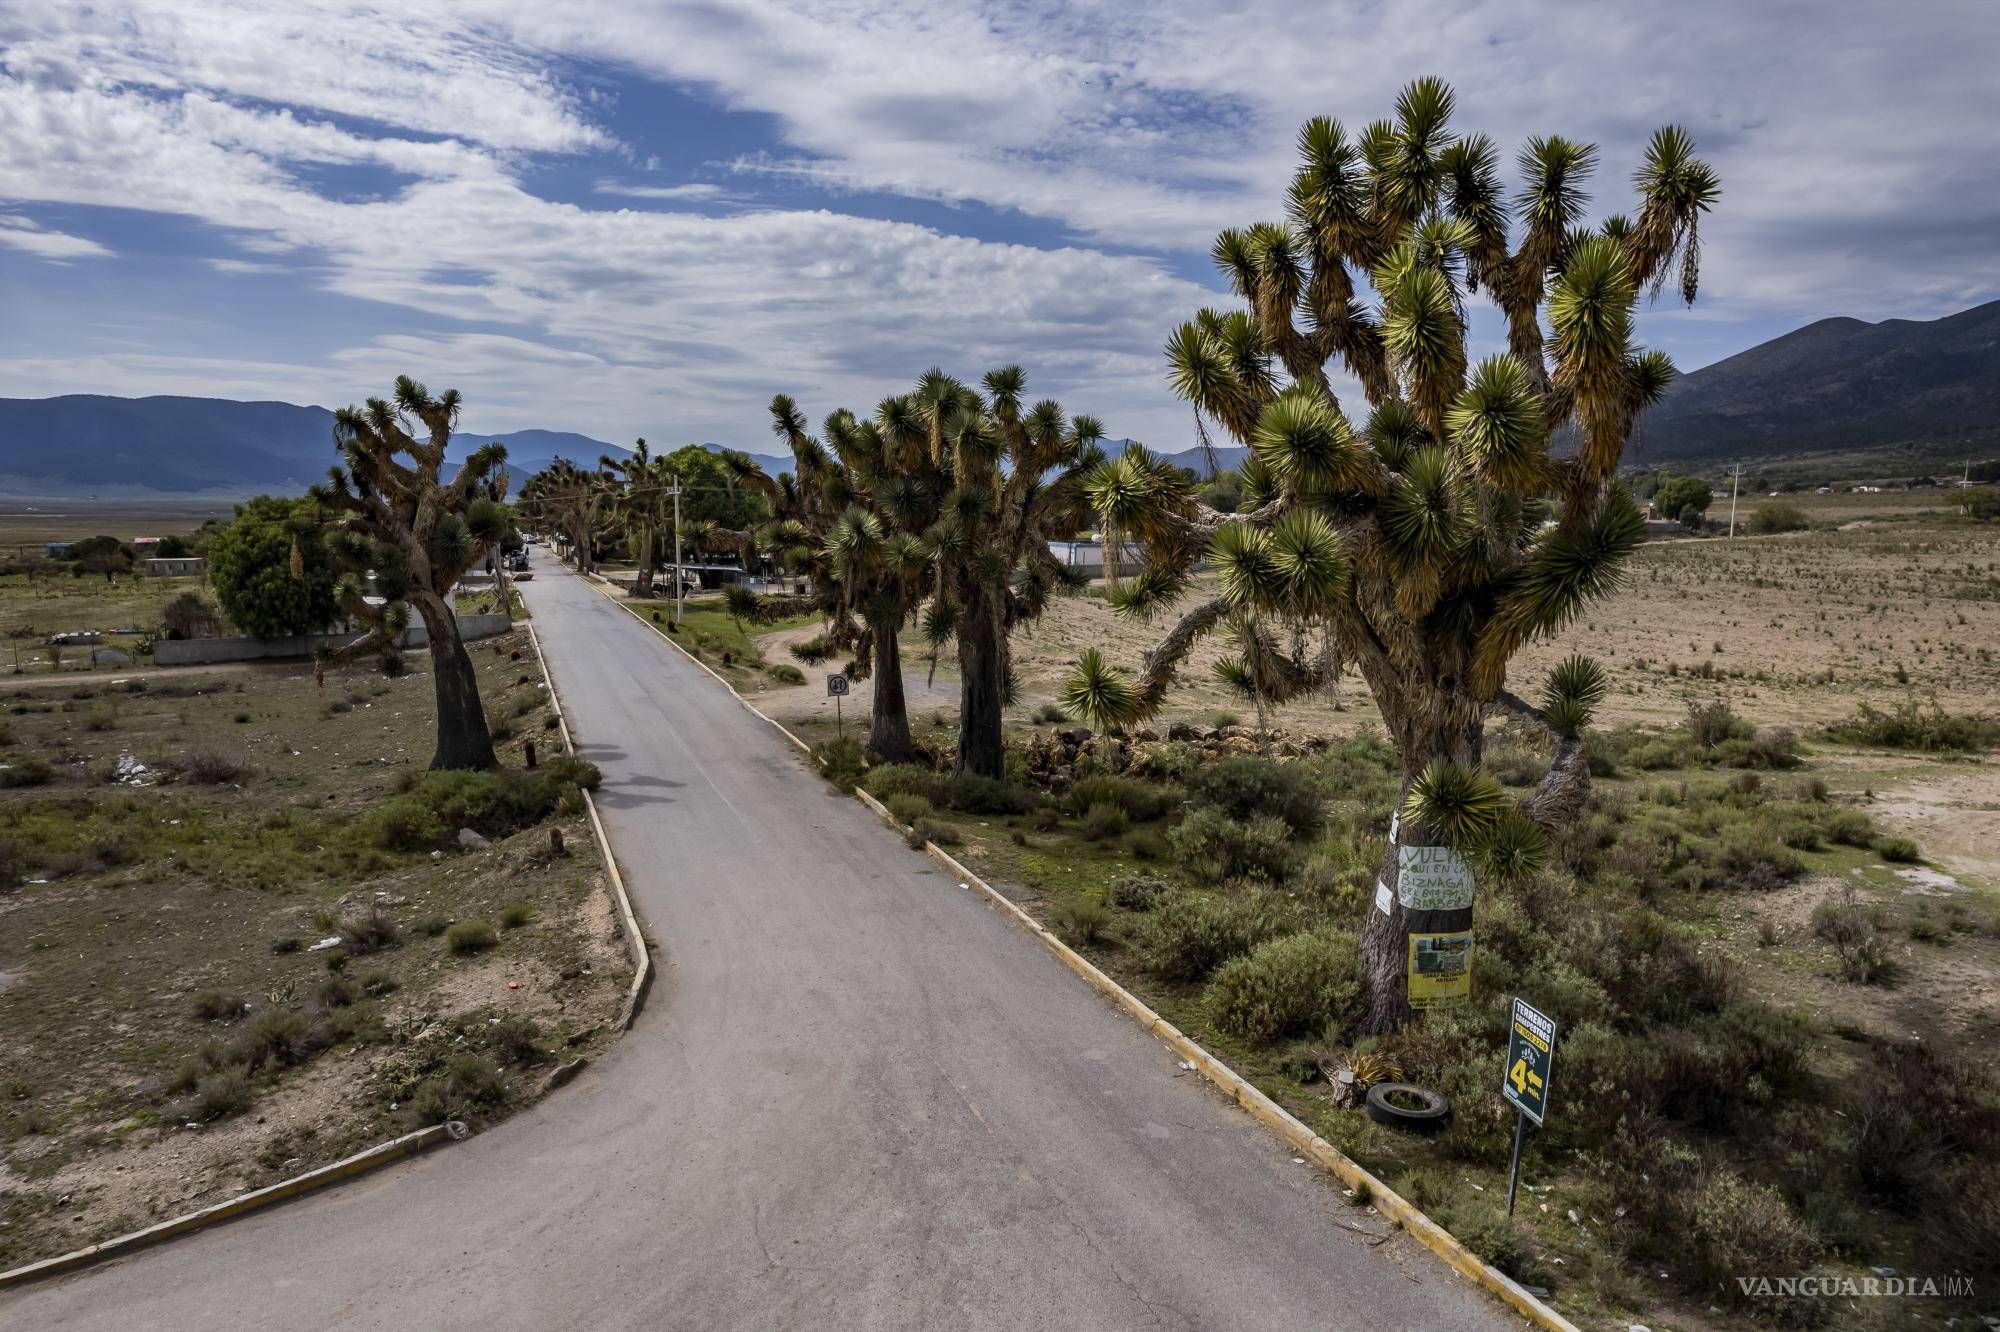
column 1531, row 1043
column 836, row 689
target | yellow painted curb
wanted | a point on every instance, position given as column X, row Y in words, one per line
column 359, row 1164
column 642, row 959
column 1386, row 1201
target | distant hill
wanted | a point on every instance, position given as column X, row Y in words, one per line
column 1837, row 385
column 88, row 444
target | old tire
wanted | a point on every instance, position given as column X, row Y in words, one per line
column 1434, row 1115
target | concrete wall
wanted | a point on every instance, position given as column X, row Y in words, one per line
column 197, row 651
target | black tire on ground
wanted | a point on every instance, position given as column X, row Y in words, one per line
column 1434, row 1115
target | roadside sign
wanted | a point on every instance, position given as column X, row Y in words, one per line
column 1531, row 1044
column 836, row 685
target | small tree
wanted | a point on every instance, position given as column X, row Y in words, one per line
column 439, row 528
column 1682, row 499
column 270, row 571
column 1416, row 546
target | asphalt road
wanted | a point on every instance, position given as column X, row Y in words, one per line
column 857, row 1098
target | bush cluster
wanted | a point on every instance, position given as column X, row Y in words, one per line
column 493, row 804
column 1303, row 982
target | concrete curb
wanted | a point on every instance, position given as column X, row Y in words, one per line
column 1387, row 1202
column 359, row 1164
column 642, row 958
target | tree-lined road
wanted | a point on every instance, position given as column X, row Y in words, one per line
column 857, row 1098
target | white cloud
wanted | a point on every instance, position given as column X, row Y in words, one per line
column 20, row 233
column 1851, row 182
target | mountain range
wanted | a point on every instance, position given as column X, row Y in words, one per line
column 1835, row 385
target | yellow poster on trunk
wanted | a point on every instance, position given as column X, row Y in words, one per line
column 1440, row 969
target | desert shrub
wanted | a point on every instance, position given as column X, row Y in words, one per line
column 1140, row 801
column 1174, row 761
column 1755, row 859
column 1214, row 845
column 841, row 761
column 214, row 1005
column 223, row 1092
column 28, row 770
column 470, row 1085
column 1244, row 787
column 1710, row 724
column 1911, row 726
column 1137, row 892
column 906, row 808
column 1049, row 714
column 1299, row 983
column 211, row 767
column 516, row 1040
column 470, row 936
column 975, row 794
column 1850, row 827
column 379, row 983
column 1485, row 1231
column 1339, row 884
column 1900, row 850
column 1928, row 929
column 939, row 831
column 515, row 914
column 1731, row 1226
column 493, row 804
column 370, row 932
column 908, row 779
column 336, row 992
column 277, row 1037
column 1147, row 844
column 786, row 674
column 1103, row 819
column 101, row 717
column 433, row 925
column 1188, row 935
column 1084, row 918
column 1782, row 516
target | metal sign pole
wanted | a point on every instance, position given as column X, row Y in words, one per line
column 680, row 578
column 1514, row 1171
column 839, row 726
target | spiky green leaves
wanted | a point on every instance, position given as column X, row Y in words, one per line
column 1307, row 444
column 1567, row 567
column 1513, row 850
column 854, row 544
column 1591, row 307
column 1455, row 804
column 1140, row 596
column 1498, row 424
column 1423, row 517
column 1295, row 567
column 1574, row 689
column 1100, row 696
column 1424, row 335
column 1678, row 188
column 1395, row 431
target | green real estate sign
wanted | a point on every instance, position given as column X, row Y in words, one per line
column 1531, row 1044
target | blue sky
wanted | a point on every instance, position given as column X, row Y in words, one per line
column 643, row 219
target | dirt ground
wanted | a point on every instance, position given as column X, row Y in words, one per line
column 135, row 888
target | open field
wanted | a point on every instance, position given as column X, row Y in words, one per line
column 31, row 521
column 174, row 853
column 126, row 610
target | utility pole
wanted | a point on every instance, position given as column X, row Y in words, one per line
column 680, row 578
column 1735, row 482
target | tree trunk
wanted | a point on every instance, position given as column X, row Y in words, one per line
column 1386, row 956
column 982, row 667
column 643, row 587
column 463, row 742
column 889, row 720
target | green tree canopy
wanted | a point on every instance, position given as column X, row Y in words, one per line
column 1682, row 498
column 270, row 571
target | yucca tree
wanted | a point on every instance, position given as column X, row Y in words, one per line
column 853, row 517
column 1016, row 474
column 644, row 503
column 394, row 493
column 572, row 501
column 1432, row 541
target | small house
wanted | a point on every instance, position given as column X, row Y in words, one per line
column 57, row 550
column 175, row 566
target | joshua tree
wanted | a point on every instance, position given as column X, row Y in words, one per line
column 572, row 500
column 854, row 516
column 439, row 529
column 1416, row 546
column 1015, row 476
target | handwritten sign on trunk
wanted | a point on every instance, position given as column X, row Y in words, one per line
column 1432, row 878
